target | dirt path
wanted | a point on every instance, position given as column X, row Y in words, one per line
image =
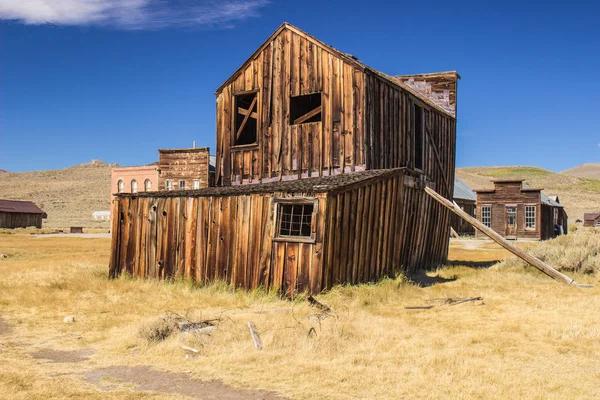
column 146, row 378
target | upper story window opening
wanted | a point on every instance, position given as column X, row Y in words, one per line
column 196, row 183
column 169, row 184
column 120, row 186
column 147, row 185
column 246, row 119
column 306, row 108
column 181, row 184
column 134, row 187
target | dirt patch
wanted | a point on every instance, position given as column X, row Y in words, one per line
column 169, row 382
column 60, row 356
column 4, row 327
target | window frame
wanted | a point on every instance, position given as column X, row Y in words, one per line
column 120, row 186
column 182, row 184
column 168, row 184
column 147, row 185
column 320, row 107
column 533, row 226
column 134, row 182
column 196, row 184
column 489, row 208
column 234, row 96
column 278, row 202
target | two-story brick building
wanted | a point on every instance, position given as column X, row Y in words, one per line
column 320, row 167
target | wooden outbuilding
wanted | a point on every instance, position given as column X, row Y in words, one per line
column 465, row 197
column 20, row 214
column 320, row 168
column 520, row 212
column 591, row 219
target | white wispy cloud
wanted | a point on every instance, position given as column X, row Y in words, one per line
column 131, row 14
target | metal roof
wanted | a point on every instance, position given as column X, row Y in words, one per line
column 17, row 206
column 462, row 190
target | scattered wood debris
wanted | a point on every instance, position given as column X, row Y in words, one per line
column 170, row 323
column 255, row 337
column 446, row 301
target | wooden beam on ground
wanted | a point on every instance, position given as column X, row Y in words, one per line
column 536, row 262
column 308, row 115
column 243, row 111
column 237, row 135
column 255, row 337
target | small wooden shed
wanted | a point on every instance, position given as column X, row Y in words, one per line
column 591, row 219
column 20, row 214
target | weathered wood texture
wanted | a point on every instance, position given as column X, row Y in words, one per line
column 362, row 232
column 184, row 164
column 366, row 118
column 13, row 220
column 461, row 226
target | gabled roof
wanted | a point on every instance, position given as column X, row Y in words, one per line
column 322, row 184
column 591, row 216
column 350, row 59
column 463, row 191
column 17, row 206
column 548, row 201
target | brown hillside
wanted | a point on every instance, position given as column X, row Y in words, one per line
column 578, row 195
column 588, row 170
column 69, row 195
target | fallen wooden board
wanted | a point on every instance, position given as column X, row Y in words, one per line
column 536, row 262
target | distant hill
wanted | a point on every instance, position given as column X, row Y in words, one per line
column 68, row 196
column 588, row 170
column 577, row 194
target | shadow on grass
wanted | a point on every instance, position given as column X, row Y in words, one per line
column 472, row 264
column 423, row 280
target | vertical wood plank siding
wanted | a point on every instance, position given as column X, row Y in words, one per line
column 291, row 65
column 362, row 233
column 206, row 239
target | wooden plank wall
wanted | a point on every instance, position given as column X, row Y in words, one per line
column 292, row 65
column 206, row 239
column 381, row 229
column 20, row 220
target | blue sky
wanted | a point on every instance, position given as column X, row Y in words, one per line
column 115, row 80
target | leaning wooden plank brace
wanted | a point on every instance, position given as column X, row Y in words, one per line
column 536, row 262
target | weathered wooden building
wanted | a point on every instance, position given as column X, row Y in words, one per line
column 20, row 214
column 465, row 197
column 591, row 219
column 519, row 212
column 320, row 167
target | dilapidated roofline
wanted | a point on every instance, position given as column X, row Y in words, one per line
column 346, row 57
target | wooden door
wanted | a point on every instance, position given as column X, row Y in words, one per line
column 511, row 222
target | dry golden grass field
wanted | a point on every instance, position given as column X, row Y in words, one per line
column 530, row 337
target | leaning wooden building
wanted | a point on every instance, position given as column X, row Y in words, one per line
column 320, row 167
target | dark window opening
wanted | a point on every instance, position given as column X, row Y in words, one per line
column 294, row 220
column 246, row 119
column 305, row 109
column 182, row 184
column 418, row 137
